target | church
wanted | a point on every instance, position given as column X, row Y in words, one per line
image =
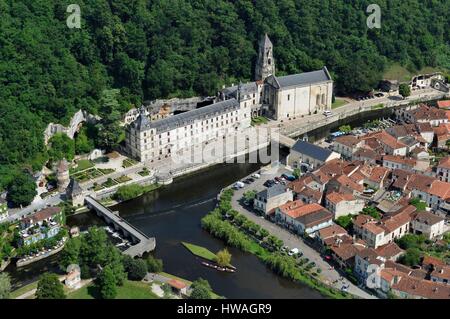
column 282, row 97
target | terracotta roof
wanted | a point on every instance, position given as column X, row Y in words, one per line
column 345, row 251
column 362, row 219
column 378, row 174
column 366, row 153
column 443, row 104
column 389, row 250
column 291, row 205
column 303, row 210
column 178, row 284
column 373, row 228
column 440, row 189
column 434, row 261
column 390, row 224
column 347, row 140
column 43, row 214
column 425, row 112
column 444, row 162
column 422, row 288
column 345, row 181
column 388, row 140
column 331, row 231
column 336, row 198
column 400, row 160
column 441, row 272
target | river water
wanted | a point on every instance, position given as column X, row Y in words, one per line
column 172, row 214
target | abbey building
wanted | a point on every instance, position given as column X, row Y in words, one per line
column 277, row 97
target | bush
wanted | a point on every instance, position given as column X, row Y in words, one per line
column 154, row 264
column 127, row 192
column 136, row 268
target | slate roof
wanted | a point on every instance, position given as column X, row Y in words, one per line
column 273, row 191
column 303, row 78
column 312, row 150
column 186, row 118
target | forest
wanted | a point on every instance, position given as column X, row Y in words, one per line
column 147, row 49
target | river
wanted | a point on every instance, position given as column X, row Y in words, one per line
column 172, row 214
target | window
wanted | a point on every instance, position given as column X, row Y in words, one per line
column 289, row 97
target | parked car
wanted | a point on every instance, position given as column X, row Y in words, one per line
column 269, row 183
column 293, row 252
column 289, row 177
column 256, row 175
column 327, row 113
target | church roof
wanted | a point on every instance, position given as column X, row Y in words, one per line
column 186, row 118
column 303, row 78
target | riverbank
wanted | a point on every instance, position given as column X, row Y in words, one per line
column 237, row 231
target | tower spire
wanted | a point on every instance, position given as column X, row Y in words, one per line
column 265, row 65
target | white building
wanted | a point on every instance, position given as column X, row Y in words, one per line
column 298, row 94
column 428, row 224
column 150, row 140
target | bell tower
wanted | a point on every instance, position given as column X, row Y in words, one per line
column 265, row 64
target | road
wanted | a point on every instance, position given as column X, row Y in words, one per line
column 292, row 125
column 328, row 275
column 18, row 213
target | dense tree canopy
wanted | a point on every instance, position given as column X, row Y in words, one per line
column 49, row 287
column 166, row 48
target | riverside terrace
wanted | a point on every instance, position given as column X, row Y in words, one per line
column 143, row 243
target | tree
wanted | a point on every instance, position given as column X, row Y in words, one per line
column 5, row 286
column 411, row 241
column 345, row 222
column 263, row 233
column 136, row 268
column 411, row 257
column 404, row 90
column 22, row 189
column 372, row 211
column 346, row 129
column 223, row 257
column 70, row 254
column 250, row 195
column 419, row 204
column 154, row 265
column 127, row 192
column 200, row 289
column 107, row 283
column 61, row 146
column 49, row 287
column 297, row 172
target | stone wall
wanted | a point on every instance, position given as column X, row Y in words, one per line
column 73, row 127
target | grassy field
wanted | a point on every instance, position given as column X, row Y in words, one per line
column 400, row 73
column 129, row 290
column 22, row 290
column 200, row 251
column 338, row 103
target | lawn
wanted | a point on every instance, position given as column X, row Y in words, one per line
column 338, row 103
column 123, row 179
column 24, row 289
column 129, row 290
column 200, row 251
column 81, row 166
column 128, row 162
column 259, row 120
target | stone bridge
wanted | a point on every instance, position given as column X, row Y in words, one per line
column 142, row 243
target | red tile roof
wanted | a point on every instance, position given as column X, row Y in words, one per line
column 444, row 104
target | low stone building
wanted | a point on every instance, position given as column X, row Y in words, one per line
column 267, row 200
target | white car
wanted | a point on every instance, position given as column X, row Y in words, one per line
column 327, row 113
column 293, row 251
column 256, row 175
